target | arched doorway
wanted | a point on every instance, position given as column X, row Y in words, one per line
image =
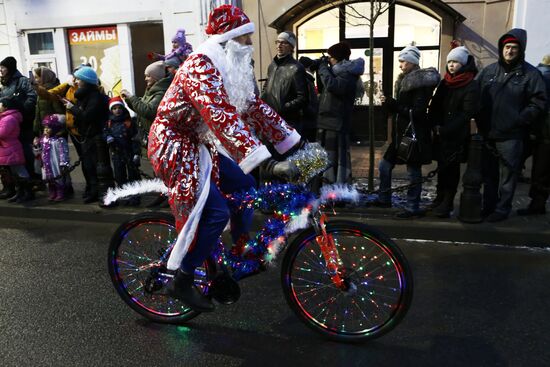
column 319, row 26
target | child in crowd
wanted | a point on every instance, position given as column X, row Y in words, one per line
column 12, row 158
column 120, row 133
column 180, row 48
column 54, row 150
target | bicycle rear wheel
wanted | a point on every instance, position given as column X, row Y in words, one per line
column 378, row 281
column 138, row 253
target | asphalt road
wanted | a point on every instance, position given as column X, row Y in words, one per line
column 473, row 306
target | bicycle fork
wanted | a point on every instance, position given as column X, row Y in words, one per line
column 330, row 254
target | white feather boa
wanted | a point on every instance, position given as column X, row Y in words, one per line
column 135, row 188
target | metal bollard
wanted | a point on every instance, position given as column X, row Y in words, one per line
column 470, row 198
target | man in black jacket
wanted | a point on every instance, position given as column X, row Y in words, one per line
column 512, row 98
column 285, row 89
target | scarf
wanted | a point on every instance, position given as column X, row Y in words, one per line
column 458, row 80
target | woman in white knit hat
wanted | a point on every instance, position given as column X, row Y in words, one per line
column 455, row 102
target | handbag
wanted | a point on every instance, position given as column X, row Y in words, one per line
column 408, row 148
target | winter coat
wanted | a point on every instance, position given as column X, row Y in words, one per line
column 91, row 110
column 55, row 155
column 20, row 86
column 542, row 130
column 67, row 91
column 124, row 132
column 452, row 109
column 194, row 118
column 311, row 111
column 511, row 100
column 285, row 89
column 146, row 106
column 338, row 94
column 413, row 92
column 46, row 105
column 11, row 150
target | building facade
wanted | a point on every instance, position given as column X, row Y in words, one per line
column 115, row 37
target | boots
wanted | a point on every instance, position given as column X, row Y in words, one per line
column 52, row 192
column 59, row 192
column 437, row 201
column 9, row 185
column 23, row 192
column 444, row 209
column 183, row 288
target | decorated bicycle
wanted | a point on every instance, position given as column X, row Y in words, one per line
column 345, row 280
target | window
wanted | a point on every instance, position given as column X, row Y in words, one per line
column 378, row 64
column 41, row 43
column 357, row 26
column 414, row 26
column 320, row 32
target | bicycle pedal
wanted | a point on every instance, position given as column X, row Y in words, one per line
column 225, row 290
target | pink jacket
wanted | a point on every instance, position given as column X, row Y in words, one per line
column 11, row 150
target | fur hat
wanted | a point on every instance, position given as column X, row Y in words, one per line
column 156, row 70
column 56, row 122
column 86, row 74
column 410, row 54
column 287, row 36
column 227, row 22
column 339, row 51
column 9, row 63
column 459, row 54
column 115, row 101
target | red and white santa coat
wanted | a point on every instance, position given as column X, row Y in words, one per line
column 183, row 151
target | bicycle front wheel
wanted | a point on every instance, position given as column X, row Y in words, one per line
column 378, row 283
column 137, row 258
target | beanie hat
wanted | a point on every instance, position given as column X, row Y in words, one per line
column 86, row 74
column 227, row 22
column 156, row 70
column 510, row 39
column 287, row 36
column 115, row 101
column 174, row 62
column 339, row 51
column 56, row 122
column 179, row 37
column 459, row 54
column 9, row 63
column 546, row 60
column 410, row 54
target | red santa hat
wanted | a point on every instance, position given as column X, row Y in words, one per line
column 115, row 101
column 227, row 22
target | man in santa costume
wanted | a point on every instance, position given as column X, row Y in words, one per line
column 206, row 139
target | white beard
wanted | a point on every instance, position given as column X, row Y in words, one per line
column 239, row 75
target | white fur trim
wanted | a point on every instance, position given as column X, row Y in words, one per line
column 288, row 143
column 187, row 233
column 339, row 192
column 134, row 188
column 235, row 32
column 254, row 159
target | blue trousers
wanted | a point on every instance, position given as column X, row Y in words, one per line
column 216, row 213
column 414, row 173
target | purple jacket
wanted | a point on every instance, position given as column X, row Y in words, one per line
column 11, row 150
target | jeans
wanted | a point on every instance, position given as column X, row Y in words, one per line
column 216, row 213
column 414, row 173
column 500, row 179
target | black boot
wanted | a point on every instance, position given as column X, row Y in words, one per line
column 183, row 288
column 23, row 193
column 7, row 192
column 444, row 209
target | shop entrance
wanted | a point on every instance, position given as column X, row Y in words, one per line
column 146, row 37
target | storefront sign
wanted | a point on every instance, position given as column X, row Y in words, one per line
column 99, row 47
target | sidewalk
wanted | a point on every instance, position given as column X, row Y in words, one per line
column 518, row 231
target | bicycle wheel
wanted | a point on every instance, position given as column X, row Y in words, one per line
column 138, row 253
column 378, row 281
